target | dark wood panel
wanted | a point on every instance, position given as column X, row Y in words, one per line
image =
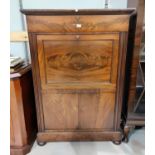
column 68, row 60
column 70, row 24
column 29, row 108
column 79, row 92
column 36, row 81
column 79, row 136
column 101, row 111
column 121, row 78
column 140, row 5
column 17, row 115
column 64, row 12
column 60, row 111
column 23, row 124
column 129, row 110
column 12, row 136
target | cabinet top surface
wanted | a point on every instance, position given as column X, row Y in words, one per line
column 78, row 12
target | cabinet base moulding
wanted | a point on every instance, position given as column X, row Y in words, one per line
column 79, row 136
column 20, row 150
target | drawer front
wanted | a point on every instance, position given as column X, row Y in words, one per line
column 78, row 60
column 78, row 23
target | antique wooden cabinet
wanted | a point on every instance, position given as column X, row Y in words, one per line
column 132, row 117
column 23, row 123
column 78, row 60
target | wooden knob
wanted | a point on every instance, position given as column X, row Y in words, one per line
column 77, row 37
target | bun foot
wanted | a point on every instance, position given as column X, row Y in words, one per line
column 126, row 139
column 41, row 143
column 126, row 133
column 117, row 142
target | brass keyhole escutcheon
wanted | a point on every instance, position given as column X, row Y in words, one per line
column 78, row 25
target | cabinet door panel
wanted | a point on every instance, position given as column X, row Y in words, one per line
column 80, row 110
column 96, row 111
column 60, row 111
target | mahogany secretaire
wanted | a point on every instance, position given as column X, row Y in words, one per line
column 78, row 63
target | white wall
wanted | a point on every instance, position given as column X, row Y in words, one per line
column 19, row 49
column 118, row 4
column 72, row 4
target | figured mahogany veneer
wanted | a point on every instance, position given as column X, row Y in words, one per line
column 61, row 24
column 64, row 59
column 78, row 61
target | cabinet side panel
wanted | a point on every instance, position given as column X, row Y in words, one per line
column 140, row 5
column 36, row 81
column 18, row 130
column 29, row 105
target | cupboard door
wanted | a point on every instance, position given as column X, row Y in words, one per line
column 60, row 111
column 96, row 111
column 78, row 80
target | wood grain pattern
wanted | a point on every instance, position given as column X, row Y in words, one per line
column 67, row 60
column 23, row 125
column 78, row 73
column 133, row 69
column 36, row 80
column 17, row 115
column 79, row 136
column 71, row 61
column 101, row 111
column 121, row 78
column 63, row 24
column 12, row 136
column 60, row 112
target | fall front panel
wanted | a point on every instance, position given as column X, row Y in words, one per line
column 78, row 59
